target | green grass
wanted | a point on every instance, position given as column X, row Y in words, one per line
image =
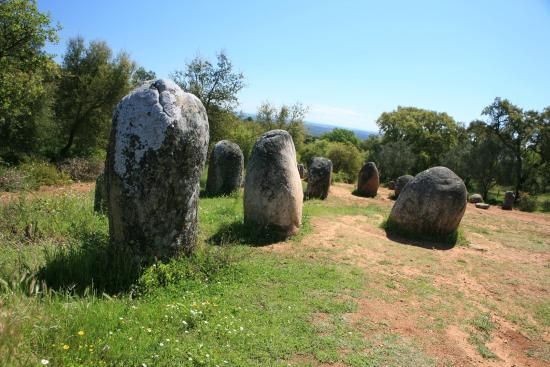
column 67, row 298
column 480, row 334
column 30, row 176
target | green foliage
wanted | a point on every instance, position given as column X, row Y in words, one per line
column 527, row 203
column 92, row 83
column 429, row 134
column 26, row 76
column 342, row 136
column 30, row 176
column 393, row 159
column 346, row 158
column 141, row 75
column 81, row 169
column 289, row 118
column 216, row 85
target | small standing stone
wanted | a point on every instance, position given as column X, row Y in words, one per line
column 225, row 169
column 156, row 154
column 273, row 195
column 509, row 199
column 319, row 177
column 368, row 180
column 401, row 182
column 482, row 206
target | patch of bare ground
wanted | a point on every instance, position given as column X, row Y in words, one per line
column 79, row 187
column 432, row 295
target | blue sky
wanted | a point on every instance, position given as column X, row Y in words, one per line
column 349, row 61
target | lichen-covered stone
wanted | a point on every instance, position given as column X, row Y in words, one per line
column 319, row 175
column 155, row 158
column 100, row 197
column 368, row 180
column 475, row 198
column 225, row 169
column 273, row 190
column 401, row 182
column 433, row 203
column 509, row 199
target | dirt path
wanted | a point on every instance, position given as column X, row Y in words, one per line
column 430, row 295
column 48, row 190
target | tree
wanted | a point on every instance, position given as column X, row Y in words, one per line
column 516, row 131
column 429, row 134
column 216, row 86
column 92, row 83
column 342, row 136
column 141, row 75
column 394, row 159
column 346, row 158
column 27, row 74
column 289, row 118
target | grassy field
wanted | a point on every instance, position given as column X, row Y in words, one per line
column 342, row 293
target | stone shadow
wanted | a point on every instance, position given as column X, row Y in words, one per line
column 241, row 233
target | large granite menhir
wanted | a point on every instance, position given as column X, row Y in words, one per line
column 157, row 150
column 273, row 190
column 225, row 169
column 318, row 178
column 433, row 203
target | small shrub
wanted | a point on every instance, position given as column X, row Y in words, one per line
column 341, row 177
column 527, row 203
column 30, row 176
column 12, row 179
column 545, row 206
column 80, row 169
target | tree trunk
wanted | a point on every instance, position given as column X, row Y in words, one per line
column 519, row 178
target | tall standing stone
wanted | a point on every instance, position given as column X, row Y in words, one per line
column 319, row 175
column 273, row 190
column 225, row 169
column 368, row 180
column 509, row 199
column 155, row 158
column 433, row 203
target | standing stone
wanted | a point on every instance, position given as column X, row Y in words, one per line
column 302, row 170
column 433, row 203
column 475, row 198
column 401, row 182
column 155, row 158
column 225, row 169
column 100, row 198
column 319, row 175
column 273, row 190
column 368, row 180
column 509, row 199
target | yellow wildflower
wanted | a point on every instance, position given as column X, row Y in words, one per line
column 81, row 333
column 65, row 346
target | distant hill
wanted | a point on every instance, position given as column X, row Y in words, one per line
column 318, row 129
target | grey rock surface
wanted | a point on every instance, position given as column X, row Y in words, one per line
column 391, row 185
column 509, row 199
column 433, row 203
column 482, row 206
column 368, row 180
column 225, row 169
column 475, row 198
column 156, row 154
column 273, row 196
column 100, row 197
column 401, row 182
column 319, row 175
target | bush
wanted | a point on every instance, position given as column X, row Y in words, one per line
column 30, row 176
column 346, row 158
column 80, row 169
column 527, row 203
column 546, row 205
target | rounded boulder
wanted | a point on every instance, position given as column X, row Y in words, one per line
column 475, row 198
column 273, row 190
column 433, row 203
column 156, row 154
column 225, row 169
column 368, row 180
